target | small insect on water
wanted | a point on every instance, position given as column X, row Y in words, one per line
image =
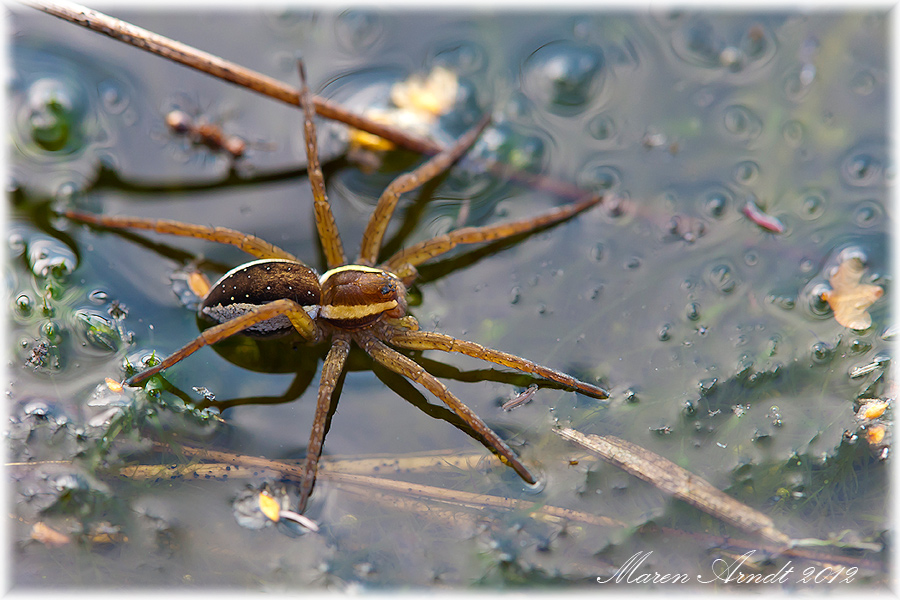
column 520, row 399
column 201, row 131
column 351, row 302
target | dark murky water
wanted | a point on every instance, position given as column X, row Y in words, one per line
column 708, row 328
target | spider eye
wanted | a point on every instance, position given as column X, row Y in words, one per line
column 387, row 289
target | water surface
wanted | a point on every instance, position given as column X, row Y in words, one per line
column 707, row 327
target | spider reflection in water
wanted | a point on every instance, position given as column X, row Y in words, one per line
column 277, row 294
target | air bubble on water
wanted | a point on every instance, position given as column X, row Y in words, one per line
column 722, row 277
column 462, row 56
column 52, row 114
column 359, row 29
column 204, row 393
column 112, row 98
column 742, row 122
column 597, row 176
column 692, row 311
column 24, row 305
column 746, row 172
column 782, row 301
column 46, row 255
column 517, row 146
column 811, row 300
column 564, row 77
column 16, row 243
column 863, row 83
column 861, row 169
column 868, row 213
column 813, row 204
column 715, row 202
column 821, row 353
column 52, row 331
column 602, row 128
column 792, row 131
column 663, row 334
column 98, row 297
column 36, row 409
column 858, row 346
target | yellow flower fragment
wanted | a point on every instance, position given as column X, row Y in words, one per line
column 875, row 434
column 269, row 507
column 433, row 95
column 849, row 298
column 874, row 409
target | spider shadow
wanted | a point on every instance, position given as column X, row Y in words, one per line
column 294, row 355
column 108, row 178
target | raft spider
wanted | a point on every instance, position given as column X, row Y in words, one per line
column 277, row 293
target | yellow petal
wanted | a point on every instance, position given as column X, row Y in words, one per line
column 199, row 283
column 48, row 536
column 269, row 507
column 850, row 299
column 434, row 95
column 875, row 434
column 370, row 141
column 874, row 409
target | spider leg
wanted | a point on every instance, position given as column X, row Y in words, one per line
column 301, row 321
column 402, row 365
column 430, row 340
column 331, row 371
column 381, row 216
column 248, row 243
column 328, row 231
column 403, row 262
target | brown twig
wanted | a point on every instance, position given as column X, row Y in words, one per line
column 679, row 482
column 346, row 473
column 263, row 84
column 223, row 69
column 469, row 500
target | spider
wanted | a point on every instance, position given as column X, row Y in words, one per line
column 276, row 294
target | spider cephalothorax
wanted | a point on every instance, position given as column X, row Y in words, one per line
column 355, row 296
column 363, row 302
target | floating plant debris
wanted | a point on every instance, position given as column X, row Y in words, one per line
column 520, row 399
column 766, row 221
column 417, row 102
column 432, row 95
column 849, row 298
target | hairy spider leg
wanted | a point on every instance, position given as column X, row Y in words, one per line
column 431, row 340
column 328, row 231
column 301, row 321
column 248, row 243
column 403, row 262
column 331, row 372
column 408, row 368
column 384, row 210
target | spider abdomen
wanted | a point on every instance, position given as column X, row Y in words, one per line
column 354, row 296
column 260, row 282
